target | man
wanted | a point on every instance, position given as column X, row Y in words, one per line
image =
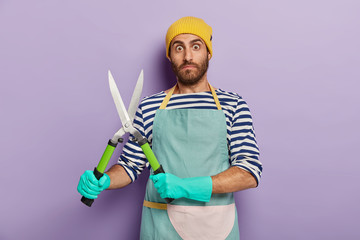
column 204, row 139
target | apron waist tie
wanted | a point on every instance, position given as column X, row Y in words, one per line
column 161, row 206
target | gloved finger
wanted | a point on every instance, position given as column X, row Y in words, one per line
column 84, row 180
column 152, row 177
column 91, row 177
column 87, row 195
column 163, row 195
column 91, row 186
column 84, row 191
column 104, row 181
column 161, row 191
column 166, row 194
column 156, row 177
column 160, row 185
column 90, row 191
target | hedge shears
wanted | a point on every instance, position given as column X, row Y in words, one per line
column 127, row 118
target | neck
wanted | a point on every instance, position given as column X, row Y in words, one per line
column 201, row 86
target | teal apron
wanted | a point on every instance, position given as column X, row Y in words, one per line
column 189, row 143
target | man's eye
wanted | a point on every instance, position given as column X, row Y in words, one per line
column 196, row 47
column 179, row 48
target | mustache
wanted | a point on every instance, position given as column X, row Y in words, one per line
column 188, row 64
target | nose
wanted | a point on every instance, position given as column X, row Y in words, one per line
column 188, row 55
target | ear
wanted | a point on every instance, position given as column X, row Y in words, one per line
column 169, row 54
column 209, row 56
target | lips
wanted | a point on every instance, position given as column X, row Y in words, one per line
column 188, row 66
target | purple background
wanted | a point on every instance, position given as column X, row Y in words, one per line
column 296, row 63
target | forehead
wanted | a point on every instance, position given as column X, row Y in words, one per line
column 186, row 38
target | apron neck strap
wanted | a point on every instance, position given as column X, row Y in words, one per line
column 170, row 93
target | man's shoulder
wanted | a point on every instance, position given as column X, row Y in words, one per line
column 227, row 96
column 232, row 102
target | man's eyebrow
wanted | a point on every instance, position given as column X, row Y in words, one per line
column 196, row 40
column 177, row 42
column 181, row 42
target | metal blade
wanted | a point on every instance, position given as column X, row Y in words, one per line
column 120, row 107
column 134, row 103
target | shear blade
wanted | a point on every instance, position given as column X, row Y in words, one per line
column 125, row 116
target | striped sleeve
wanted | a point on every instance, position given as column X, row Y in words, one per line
column 132, row 158
column 244, row 151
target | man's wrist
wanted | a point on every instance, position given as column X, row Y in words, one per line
column 199, row 188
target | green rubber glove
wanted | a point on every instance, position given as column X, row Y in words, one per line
column 90, row 187
column 171, row 186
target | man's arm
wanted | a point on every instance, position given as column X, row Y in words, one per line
column 118, row 177
column 232, row 180
column 200, row 188
column 245, row 170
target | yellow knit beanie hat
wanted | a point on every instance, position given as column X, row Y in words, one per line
column 191, row 25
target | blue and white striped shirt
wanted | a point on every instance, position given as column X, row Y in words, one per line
column 243, row 149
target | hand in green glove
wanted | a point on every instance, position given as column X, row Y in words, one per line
column 171, row 186
column 90, row 187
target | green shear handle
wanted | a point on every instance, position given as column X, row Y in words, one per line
column 153, row 161
column 100, row 169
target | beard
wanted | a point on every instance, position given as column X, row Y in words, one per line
column 189, row 77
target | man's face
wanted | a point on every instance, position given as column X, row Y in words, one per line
column 189, row 58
